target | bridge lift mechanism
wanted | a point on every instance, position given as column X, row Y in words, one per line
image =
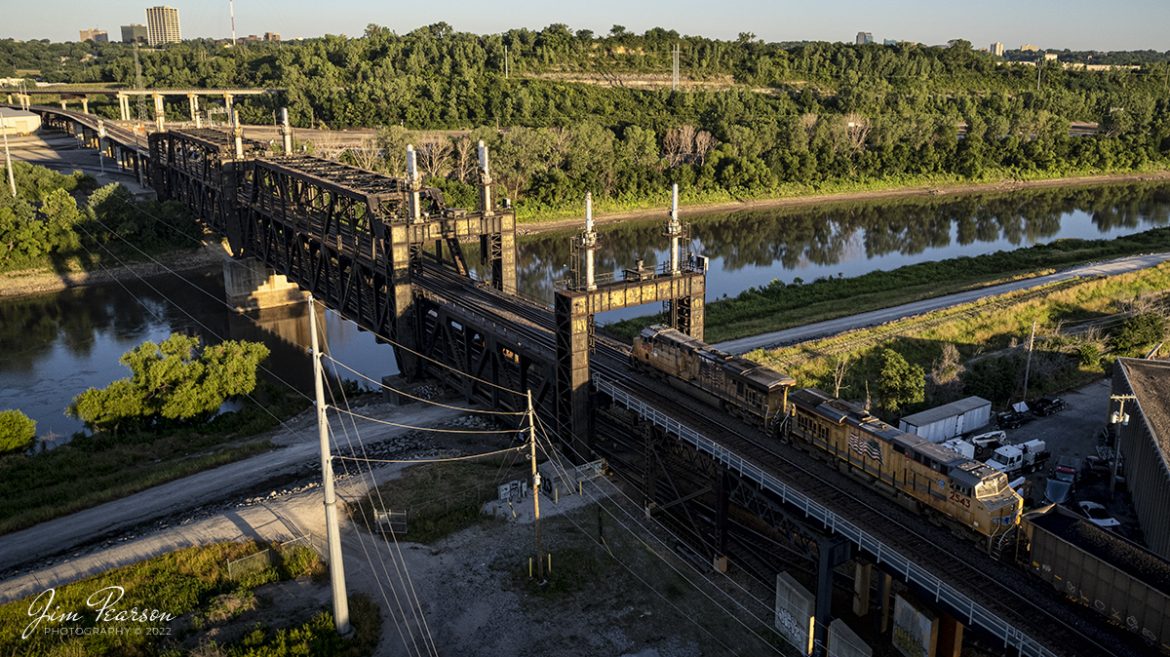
column 680, row 283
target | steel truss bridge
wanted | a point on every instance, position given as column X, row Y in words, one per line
column 389, row 255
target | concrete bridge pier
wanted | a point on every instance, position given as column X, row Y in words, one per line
column 159, row 114
column 249, row 285
column 193, row 106
column 862, row 581
column 124, row 107
column 85, row 104
column 64, row 104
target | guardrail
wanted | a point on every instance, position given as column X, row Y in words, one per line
column 975, row 614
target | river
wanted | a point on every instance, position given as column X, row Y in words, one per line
column 56, row 345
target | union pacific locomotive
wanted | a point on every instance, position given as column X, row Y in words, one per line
column 743, row 388
column 936, row 480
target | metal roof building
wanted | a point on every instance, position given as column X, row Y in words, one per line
column 1145, row 444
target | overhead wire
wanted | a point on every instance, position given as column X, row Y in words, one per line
column 404, row 573
column 484, row 411
column 451, row 459
column 420, row 428
column 412, row 642
column 675, row 568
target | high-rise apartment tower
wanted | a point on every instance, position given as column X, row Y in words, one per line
column 162, row 25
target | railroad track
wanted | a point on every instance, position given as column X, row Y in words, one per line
column 1002, row 588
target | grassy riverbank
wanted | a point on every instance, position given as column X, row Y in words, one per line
column 251, row 614
column 779, row 306
column 1076, row 341
column 91, row 470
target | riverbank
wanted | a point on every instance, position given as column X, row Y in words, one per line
column 817, row 198
column 44, row 280
column 779, row 306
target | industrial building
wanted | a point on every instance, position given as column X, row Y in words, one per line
column 134, row 33
column 1141, row 391
column 949, row 420
column 18, row 122
column 95, row 35
column 162, row 25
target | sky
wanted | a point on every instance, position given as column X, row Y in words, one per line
column 1051, row 24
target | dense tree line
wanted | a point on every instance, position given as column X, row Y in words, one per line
column 806, row 114
column 45, row 224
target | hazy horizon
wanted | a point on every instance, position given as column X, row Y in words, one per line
column 1073, row 25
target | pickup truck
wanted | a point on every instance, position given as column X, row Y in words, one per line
column 1022, row 458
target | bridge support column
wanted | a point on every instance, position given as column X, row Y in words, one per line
column 722, row 486
column 885, row 601
column 831, row 552
column 862, row 578
column 249, row 285
column 64, row 104
column 193, row 106
column 950, row 637
column 229, row 104
column 85, row 104
column 159, row 114
column 124, row 107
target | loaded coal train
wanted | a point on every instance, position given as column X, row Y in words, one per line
column 935, row 480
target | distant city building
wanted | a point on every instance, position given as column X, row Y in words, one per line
column 272, row 36
column 134, row 33
column 162, row 25
column 95, row 35
column 1144, row 439
column 864, row 38
column 1029, row 47
column 889, row 42
column 996, row 49
column 1051, row 57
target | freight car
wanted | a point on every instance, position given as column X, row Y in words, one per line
column 934, row 479
column 1101, row 570
column 743, row 388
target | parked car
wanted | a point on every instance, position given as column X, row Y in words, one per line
column 1047, row 406
column 1098, row 515
column 1059, row 486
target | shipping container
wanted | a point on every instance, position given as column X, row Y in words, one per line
column 949, row 420
column 1101, row 570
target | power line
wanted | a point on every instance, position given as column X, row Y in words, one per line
column 418, row 428
column 404, row 573
column 422, row 399
column 468, row 457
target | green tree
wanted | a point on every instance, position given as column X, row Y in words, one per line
column 174, row 380
column 901, row 382
column 1138, row 333
column 17, row 431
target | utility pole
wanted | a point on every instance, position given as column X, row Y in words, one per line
column 138, row 82
column 1028, row 365
column 1039, row 63
column 336, row 568
column 232, row 10
column 505, row 62
column 8, row 162
column 1120, row 417
column 535, row 486
column 674, row 69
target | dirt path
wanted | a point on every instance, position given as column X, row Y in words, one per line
column 843, row 197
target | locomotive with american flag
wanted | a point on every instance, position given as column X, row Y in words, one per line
column 932, row 478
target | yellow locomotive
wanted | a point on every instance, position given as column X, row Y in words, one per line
column 743, row 388
column 938, row 480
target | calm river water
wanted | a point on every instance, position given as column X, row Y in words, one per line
column 54, row 346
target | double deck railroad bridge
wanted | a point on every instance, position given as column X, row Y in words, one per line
column 439, row 285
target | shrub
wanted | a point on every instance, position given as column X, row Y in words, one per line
column 18, row 431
